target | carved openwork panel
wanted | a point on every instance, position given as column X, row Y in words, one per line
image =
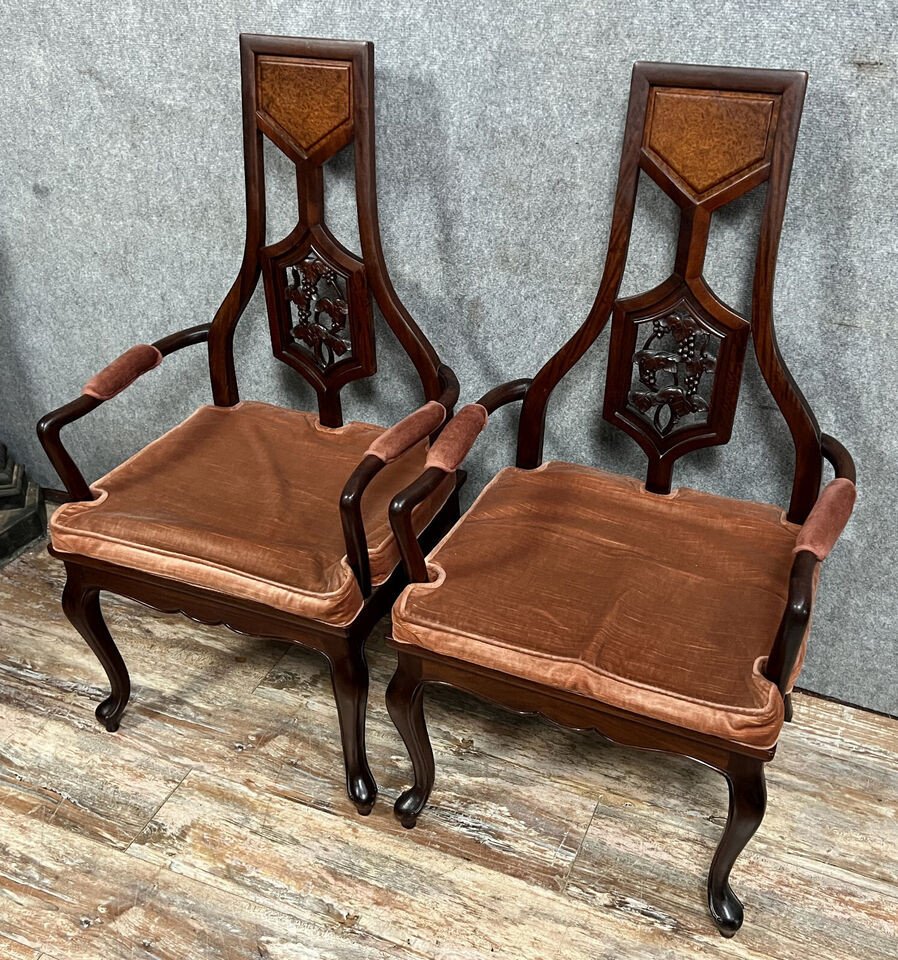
column 708, row 144
column 674, row 368
column 319, row 309
column 316, row 291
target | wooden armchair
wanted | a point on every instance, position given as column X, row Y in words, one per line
column 667, row 620
column 271, row 521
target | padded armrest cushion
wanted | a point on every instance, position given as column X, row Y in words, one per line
column 827, row 519
column 402, row 436
column 457, row 438
column 122, row 372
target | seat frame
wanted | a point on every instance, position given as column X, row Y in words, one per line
column 741, row 765
column 338, row 76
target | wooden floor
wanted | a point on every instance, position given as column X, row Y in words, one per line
column 214, row 824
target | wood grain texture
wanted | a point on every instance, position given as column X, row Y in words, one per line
column 212, row 825
column 310, row 101
column 680, row 124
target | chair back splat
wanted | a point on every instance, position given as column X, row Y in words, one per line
column 312, row 98
column 705, row 135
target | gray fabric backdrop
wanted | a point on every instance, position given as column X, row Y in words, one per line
column 499, row 129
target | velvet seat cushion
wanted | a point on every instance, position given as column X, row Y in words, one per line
column 666, row 606
column 244, row 500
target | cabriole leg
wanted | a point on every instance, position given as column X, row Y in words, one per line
column 349, row 674
column 405, row 703
column 81, row 604
column 748, row 801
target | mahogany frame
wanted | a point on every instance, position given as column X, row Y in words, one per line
column 342, row 646
column 741, row 765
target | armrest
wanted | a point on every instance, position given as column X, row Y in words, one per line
column 839, row 457
column 108, row 383
column 815, row 540
column 445, row 456
column 457, row 438
column 122, row 372
column 827, row 518
column 392, row 444
column 389, row 446
column 408, row 432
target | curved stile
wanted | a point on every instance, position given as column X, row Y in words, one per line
column 706, row 136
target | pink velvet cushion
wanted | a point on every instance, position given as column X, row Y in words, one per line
column 666, row 606
column 827, row 519
column 123, row 371
column 244, row 500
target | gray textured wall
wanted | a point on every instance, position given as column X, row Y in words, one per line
column 499, row 129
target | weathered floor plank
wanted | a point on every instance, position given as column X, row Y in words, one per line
column 84, row 901
column 350, row 873
column 510, row 818
column 214, row 823
column 12, row 950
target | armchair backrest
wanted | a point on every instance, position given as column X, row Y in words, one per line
column 311, row 98
column 705, row 135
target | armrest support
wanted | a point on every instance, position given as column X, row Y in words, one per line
column 108, row 383
column 389, row 446
column 401, row 521
column 795, row 621
column 445, row 455
column 816, row 538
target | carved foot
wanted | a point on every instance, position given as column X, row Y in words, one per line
column 409, row 806
column 362, row 791
column 726, row 910
column 109, row 713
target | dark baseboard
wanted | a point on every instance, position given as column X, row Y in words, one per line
column 845, row 703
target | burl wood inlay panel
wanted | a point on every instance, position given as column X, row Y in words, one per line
column 706, row 138
column 311, row 102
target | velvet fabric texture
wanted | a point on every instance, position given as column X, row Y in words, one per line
column 666, row 606
column 244, row 500
column 827, row 519
column 123, row 371
column 458, row 436
column 394, row 442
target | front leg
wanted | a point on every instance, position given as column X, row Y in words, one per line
column 81, row 604
column 349, row 674
column 748, row 801
column 405, row 703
